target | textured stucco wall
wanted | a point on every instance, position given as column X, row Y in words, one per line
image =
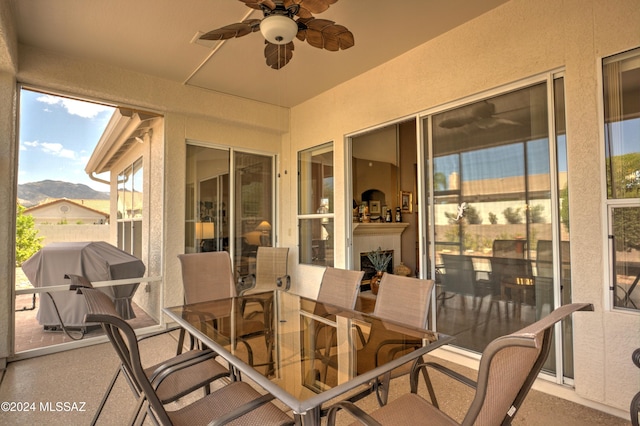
column 8, row 193
column 513, row 42
column 189, row 113
column 518, row 40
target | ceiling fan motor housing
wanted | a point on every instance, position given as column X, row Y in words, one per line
column 278, row 29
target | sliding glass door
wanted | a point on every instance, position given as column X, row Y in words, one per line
column 229, row 203
column 500, row 252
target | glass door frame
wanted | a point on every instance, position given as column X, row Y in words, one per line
column 426, row 187
column 231, row 208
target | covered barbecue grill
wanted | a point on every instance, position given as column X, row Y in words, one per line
column 96, row 261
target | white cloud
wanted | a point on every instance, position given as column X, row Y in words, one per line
column 52, row 148
column 58, row 150
column 75, row 107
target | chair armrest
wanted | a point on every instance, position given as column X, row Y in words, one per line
column 159, row 333
column 442, row 369
column 242, row 410
column 173, row 366
column 246, row 283
column 448, row 372
column 352, row 409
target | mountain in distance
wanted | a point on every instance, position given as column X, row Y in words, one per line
column 33, row 193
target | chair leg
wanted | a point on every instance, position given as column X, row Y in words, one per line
column 427, row 380
column 106, row 395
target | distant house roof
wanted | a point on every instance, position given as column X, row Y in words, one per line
column 100, row 207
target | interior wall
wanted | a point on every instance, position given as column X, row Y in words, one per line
column 520, row 39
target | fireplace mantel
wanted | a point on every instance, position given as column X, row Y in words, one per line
column 379, row 228
column 369, row 236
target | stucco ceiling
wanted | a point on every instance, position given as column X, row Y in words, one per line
column 156, row 37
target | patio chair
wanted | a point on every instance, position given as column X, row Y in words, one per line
column 461, row 278
column 237, row 400
column 271, row 274
column 339, row 287
column 173, row 378
column 508, row 368
column 405, row 301
column 634, row 407
column 208, row 276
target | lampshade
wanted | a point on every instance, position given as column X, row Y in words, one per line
column 204, row 230
column 278, row 29
column 264, row 226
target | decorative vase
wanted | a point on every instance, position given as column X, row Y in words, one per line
column 402, row 270
column 375, row 282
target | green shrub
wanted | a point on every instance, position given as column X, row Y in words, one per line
column 27, row 240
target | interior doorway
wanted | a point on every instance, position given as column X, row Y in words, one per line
column 384, row 193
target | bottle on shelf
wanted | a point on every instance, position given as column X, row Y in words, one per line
column 398, row 214
column 387, row 216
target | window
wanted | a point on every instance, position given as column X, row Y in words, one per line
column 621, row 84
column 315, row 208
column 130, row 203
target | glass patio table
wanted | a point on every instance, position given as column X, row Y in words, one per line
column 305, row 353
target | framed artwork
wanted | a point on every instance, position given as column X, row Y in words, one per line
column 374, row 207
column 406, row 201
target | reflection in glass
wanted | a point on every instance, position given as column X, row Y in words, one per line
column 130, row 198
column 315, row 198
column 253, row 208
column 621, row 78
column 208, row 208
column 493, row 215
column 621, row 81
column 626, row 256
column 207, row 199
column 318, row 235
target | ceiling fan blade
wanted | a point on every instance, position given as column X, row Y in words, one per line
column 257, row 4
column 324, row 34
column 278, row 55
column 233, row 30
column 309, row 7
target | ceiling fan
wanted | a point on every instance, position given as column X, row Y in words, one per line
column 481, row 115
column 279, row 28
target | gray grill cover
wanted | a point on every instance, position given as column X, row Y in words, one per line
column 96, row 261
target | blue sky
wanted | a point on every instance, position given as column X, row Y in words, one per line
column 57, row 137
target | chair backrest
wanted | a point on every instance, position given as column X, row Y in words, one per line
column 459, row 275
column 207, row 276
column 404, row 300
column 100, row 309
column 509, row 366
column 508, row 268
column 340, row 287
column 271, row 263
column 544, row 258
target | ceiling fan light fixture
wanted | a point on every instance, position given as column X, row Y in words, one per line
column 278, row 29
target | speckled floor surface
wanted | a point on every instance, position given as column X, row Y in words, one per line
column 80, row 376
